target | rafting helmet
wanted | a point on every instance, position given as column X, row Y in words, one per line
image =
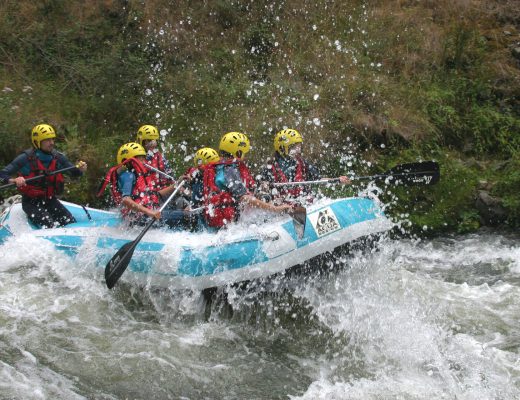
column 42, row 132
column 285, row 139
column 234, row 143
column 147, row 132
column 130, row 150
column 205, row 156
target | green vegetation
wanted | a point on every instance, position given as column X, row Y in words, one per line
column 386, row 82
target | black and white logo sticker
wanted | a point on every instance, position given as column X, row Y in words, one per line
column 324, row 221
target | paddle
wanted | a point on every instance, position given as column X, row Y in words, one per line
column 299, row 216
column 119, row 262
column 411, row 174
column 39, row 176
column 159, row 172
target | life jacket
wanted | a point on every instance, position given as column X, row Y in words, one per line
column 159, row 180
column 299, row 176
column 221, row 206
column 46, row 187
column 143, row 192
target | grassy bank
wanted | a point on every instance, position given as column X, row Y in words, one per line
column 368, row 84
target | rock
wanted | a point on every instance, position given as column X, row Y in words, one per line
column 485, row 185
column 515, row 51
column 500, row 166
column 474, row 164
column 490, row 209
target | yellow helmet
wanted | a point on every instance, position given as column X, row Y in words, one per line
column 41, row 132
column 205, row 156
column 130, row 150
column 286, row 138
column 234, row 143
column 147, row 132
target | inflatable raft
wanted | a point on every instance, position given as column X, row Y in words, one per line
column 179, row 260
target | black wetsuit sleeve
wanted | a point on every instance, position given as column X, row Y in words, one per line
column 313, row 173
column 16, row 165
column 63, row 162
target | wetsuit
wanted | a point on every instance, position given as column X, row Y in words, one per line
column 39, row 196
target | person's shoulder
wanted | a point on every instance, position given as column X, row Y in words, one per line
column 23, row 157
column 59, row 155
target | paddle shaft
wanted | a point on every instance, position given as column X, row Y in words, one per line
column 318, row 182
column 423, row 172
column 58, row 171
column 159, row 172
column 119, row 262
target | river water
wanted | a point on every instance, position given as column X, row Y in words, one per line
column 430, row 319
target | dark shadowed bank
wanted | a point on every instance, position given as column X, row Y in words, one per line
column 369, row 84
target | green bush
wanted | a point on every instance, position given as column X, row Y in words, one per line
column 508, row 188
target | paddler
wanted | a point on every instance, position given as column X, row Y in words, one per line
column 148, row 137
column 39, row 196
column 133, row 190
column 228, row 184
column 289, row 165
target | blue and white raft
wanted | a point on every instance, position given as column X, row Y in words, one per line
column 180, row 260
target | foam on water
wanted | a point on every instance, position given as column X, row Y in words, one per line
column 417, row 335
column 431, row 319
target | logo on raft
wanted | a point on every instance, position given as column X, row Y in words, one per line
column 324, row 222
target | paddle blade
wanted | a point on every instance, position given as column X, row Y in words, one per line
column 299, row 216
column 118, row 264
column 415, row 174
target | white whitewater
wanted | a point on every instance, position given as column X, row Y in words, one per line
column 435, row 319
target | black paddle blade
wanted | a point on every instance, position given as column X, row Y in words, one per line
column 415, row 174
column 299, row 216
column 118, row 264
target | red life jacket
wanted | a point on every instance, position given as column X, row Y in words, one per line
column 46, row 187
column 300, row 176
column 143, row 192
column 221, row 206
column 159, row 180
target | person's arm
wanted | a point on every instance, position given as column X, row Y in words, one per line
column 132, row 205
column 126, row 182
column 16, row 165
column 252, row 201
column 165, row 192
column 315, row 175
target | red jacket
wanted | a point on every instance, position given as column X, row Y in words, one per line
column 300, row 176
column 143, row 192
column 159, row 180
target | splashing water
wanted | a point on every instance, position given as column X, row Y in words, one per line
column 430, row 319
